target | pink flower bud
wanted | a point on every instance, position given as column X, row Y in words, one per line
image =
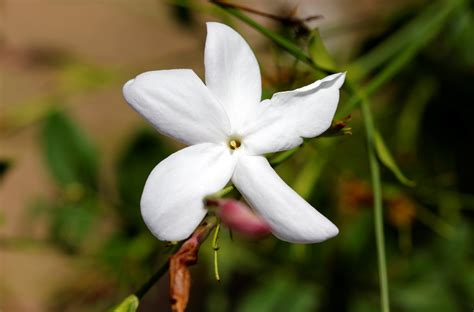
column 239, row 217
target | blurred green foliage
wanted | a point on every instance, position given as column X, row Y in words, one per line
column 70, row 157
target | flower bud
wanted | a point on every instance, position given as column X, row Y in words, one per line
column 239, row 217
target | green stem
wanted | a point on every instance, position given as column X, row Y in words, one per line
column 378, row 209
column 215, row 247
column 222, row 192
column 152, row 280
column 284, row 156
column 435, row 223
column 156, row 277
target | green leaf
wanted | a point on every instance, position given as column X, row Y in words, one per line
column 418, row 295
column 72, row 223
column 410, row 118
column 310, row 173
column 388, row 161
column 356, row 235
column 318, row 52
column 70, row 156
column 129, row 304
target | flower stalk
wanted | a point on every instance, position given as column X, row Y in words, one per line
column 215, row 248
column 378, row 208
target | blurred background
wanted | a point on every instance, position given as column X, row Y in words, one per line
column 74, row 158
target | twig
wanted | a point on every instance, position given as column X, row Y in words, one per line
column 286, row 20
column 301, row 30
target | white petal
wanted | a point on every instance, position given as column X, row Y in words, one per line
column 291, row 218
column 281, row 123
column 232, row 72
column 172, row 201
column 179, row 105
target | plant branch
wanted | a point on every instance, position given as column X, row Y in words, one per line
column 153, row 279
column 378, row 209
column 286, row 20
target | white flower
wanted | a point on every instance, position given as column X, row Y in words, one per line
column 229, row 129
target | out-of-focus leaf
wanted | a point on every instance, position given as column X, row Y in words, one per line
column 70, row 156
column 411, row 116
column 364, row 304
column 129, row 258
column 309, row 175
column 425, row 294
column 460, row 37
column 129, row 304
column 387, row 159
column 141, row 155
column 71, row 223
column 356, row 234
column 318, row 52
column 73, row 161
column 279, row 294
column 236, row 257
column 419, row 31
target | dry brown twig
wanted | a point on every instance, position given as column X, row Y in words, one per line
column 289, row 20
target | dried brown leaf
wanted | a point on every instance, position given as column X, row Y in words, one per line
column 187, row 255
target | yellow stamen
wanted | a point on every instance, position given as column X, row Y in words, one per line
column 234, row 144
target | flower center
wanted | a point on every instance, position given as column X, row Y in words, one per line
column 234, row 143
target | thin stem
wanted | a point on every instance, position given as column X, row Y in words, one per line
column 283, row 19
column 435, row 223
column 156, row 277
column 152, row 280
column 222, row 192
column 284, row 156
column 378, row 209
column 215, row 247
column 281, row 41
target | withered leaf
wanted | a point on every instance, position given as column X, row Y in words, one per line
column 187, row 255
